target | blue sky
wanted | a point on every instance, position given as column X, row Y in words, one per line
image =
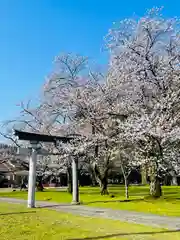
column 32, row 32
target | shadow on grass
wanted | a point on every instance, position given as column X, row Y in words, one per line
column 170, row 193
column 54, row 206
column 14, row 213
column 90, row 193
column 172, row 199
column 120, row 193
column 88, row 203
column 142, row 199
column 125, row 234
column 118, row 201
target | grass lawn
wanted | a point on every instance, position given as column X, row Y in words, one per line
column 18, row 223
column 168, row 205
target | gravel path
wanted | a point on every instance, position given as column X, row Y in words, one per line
column 122, row 215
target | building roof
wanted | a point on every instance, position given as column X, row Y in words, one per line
column 12, row 166
column 3, row 168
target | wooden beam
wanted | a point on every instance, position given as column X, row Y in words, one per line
column 27, row 136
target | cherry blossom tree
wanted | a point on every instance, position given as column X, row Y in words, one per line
column 144, row 72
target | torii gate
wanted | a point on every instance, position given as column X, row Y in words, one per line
column 34, row 139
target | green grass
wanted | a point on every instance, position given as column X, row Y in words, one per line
column 18, row 223
column 168, row 205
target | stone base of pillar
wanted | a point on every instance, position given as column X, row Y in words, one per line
column 75, row 203
column 29, row 206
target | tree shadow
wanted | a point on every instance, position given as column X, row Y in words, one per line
column 55, row 205
column 14, row 213
column 90, row 193
column 125, row 234
column 119, row 193
column 171, row 199
column 170, row 193
column 112, row 201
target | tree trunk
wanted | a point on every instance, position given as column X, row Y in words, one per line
column 102, row 179
column 104, row 184
column 126, row 183
column 69, row 180
column 93, row 180
column 93, row 177
column 166, row 181
column 155, row 188
column 174, row 181
column 99, row 182
column 143, row 175
column 39, row 185
column 126, row 188
column 69, row 187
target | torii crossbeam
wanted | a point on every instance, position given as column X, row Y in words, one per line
column 27, row 136
column 34, row 139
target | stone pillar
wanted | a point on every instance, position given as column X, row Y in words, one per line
column 32, row 176
column 75, row 200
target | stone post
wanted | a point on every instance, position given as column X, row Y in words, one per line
column 32, row 176
column 75, row 200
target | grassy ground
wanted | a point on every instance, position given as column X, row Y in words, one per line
column 18, row 223
column 168, row 205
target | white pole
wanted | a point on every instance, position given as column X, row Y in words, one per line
column 75, row 182
column 32, row 176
